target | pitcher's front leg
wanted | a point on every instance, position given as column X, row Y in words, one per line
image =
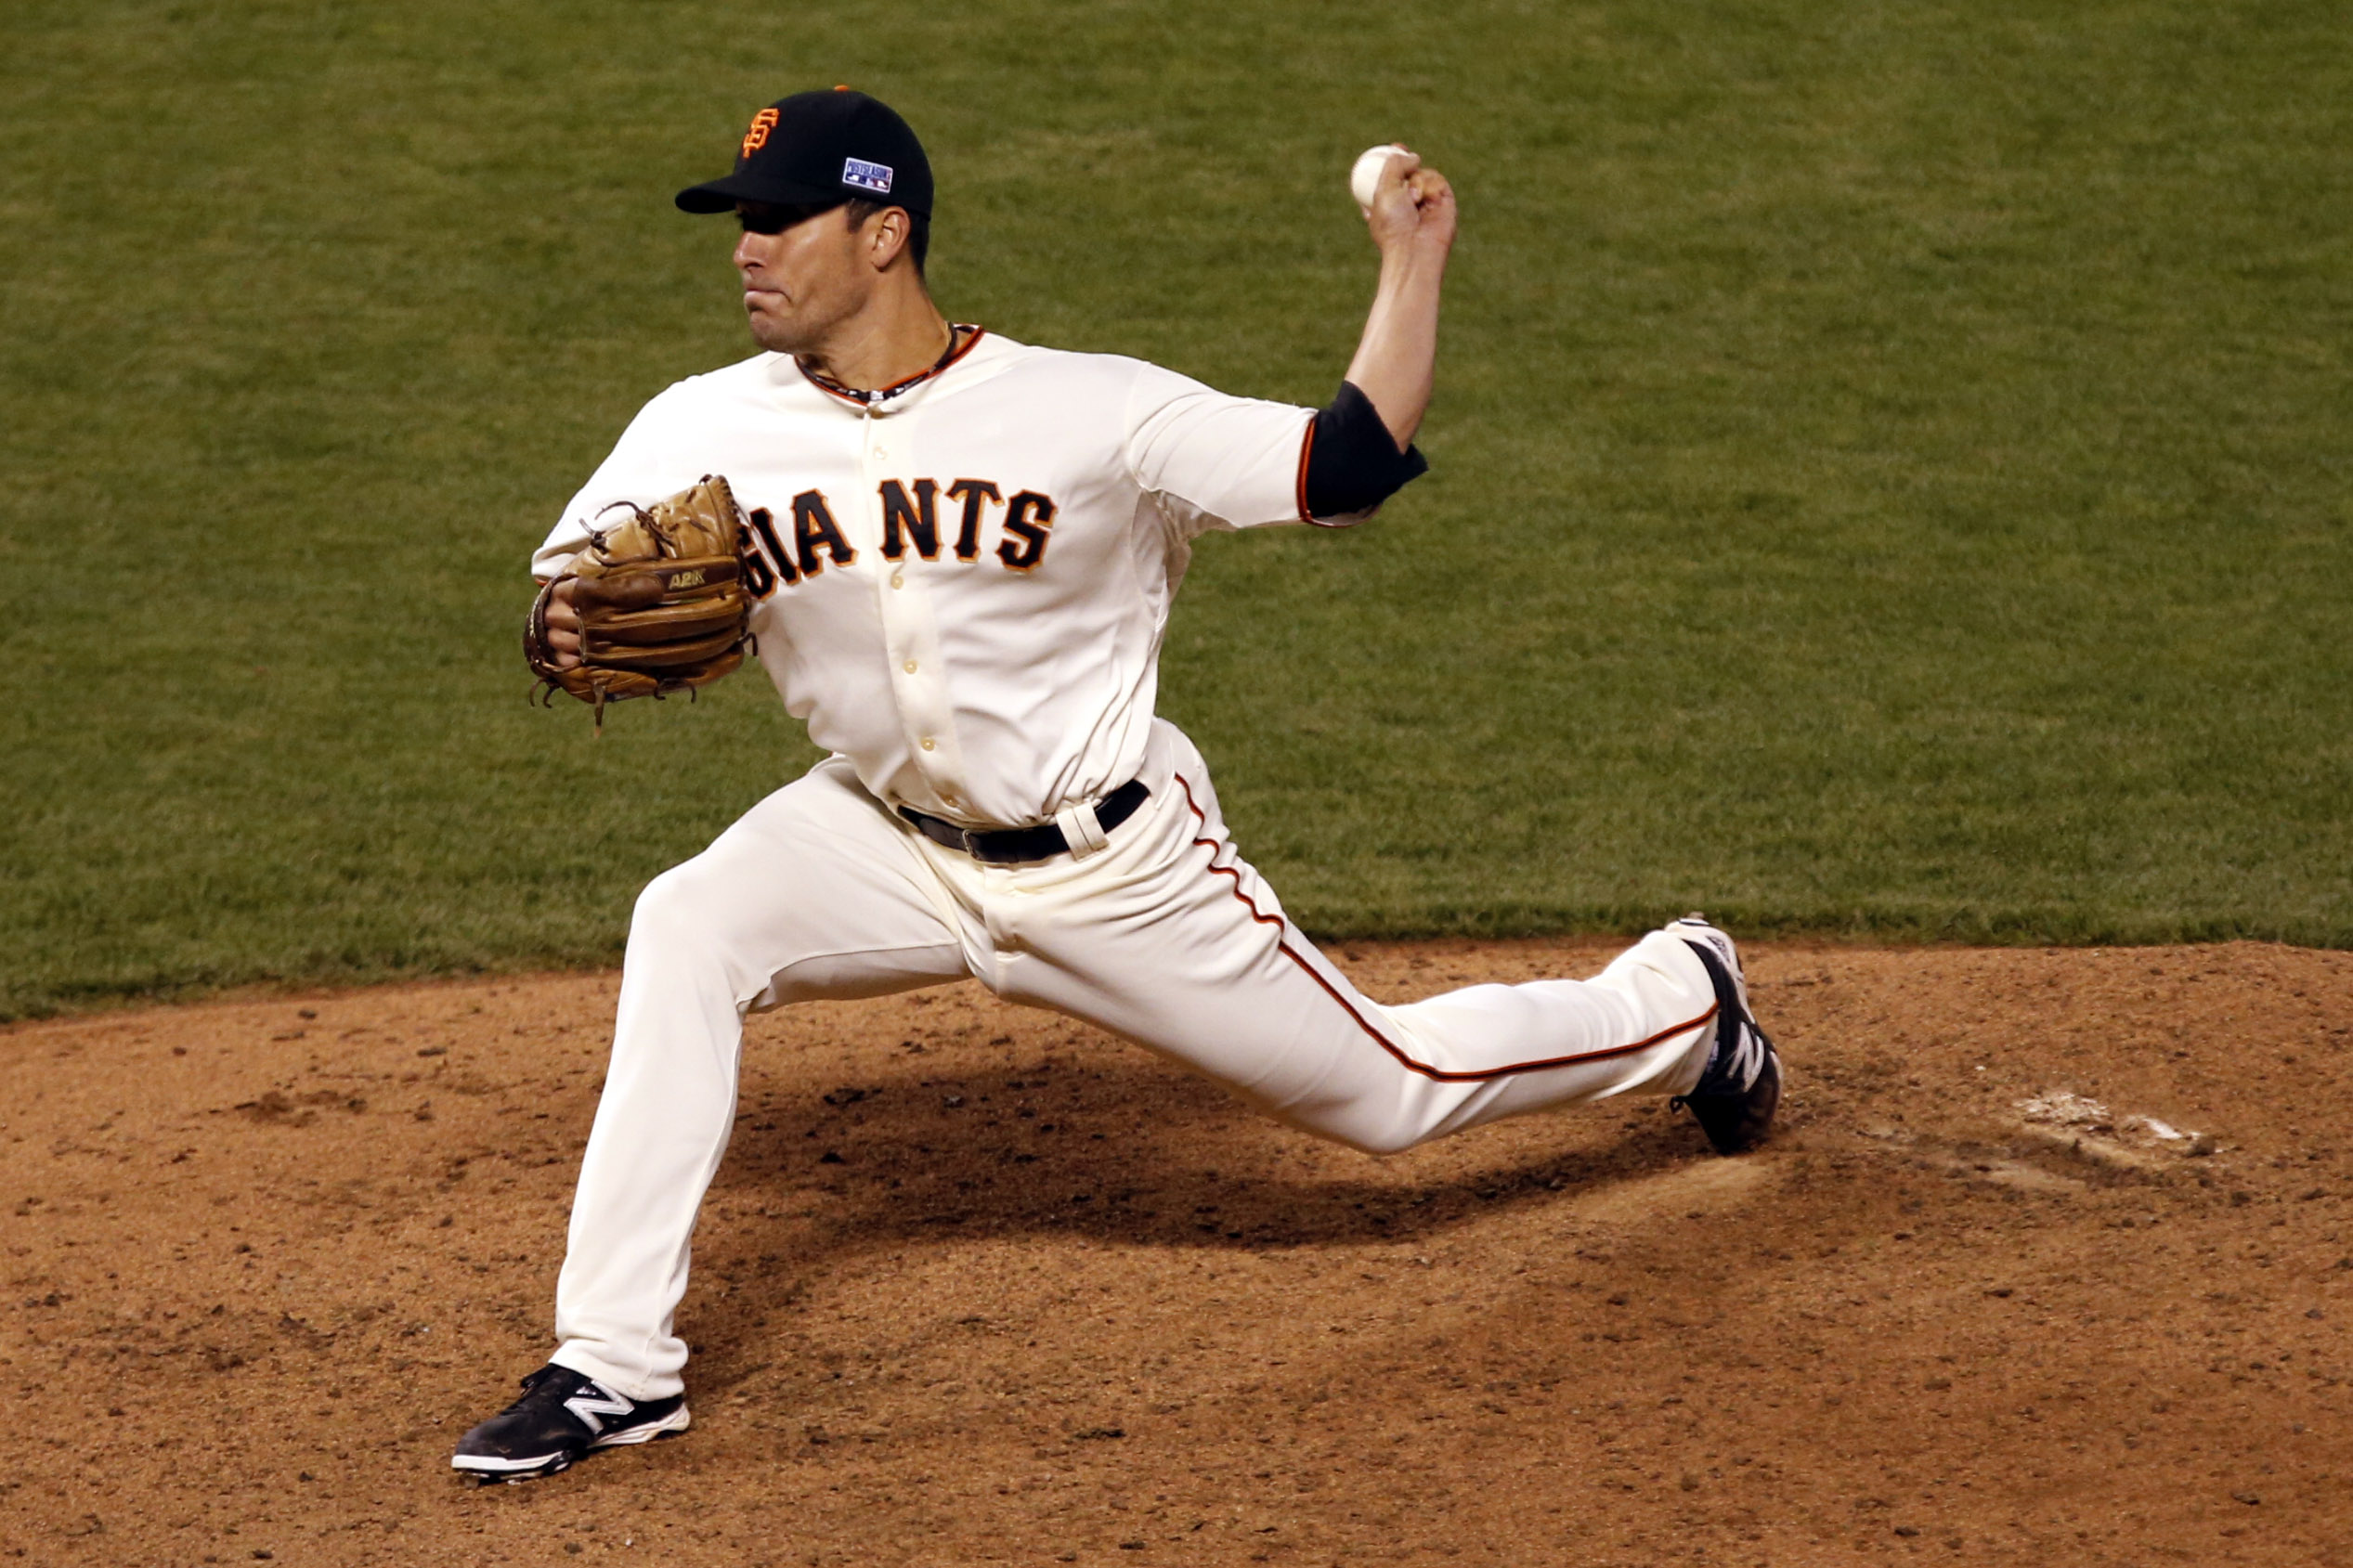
column 661, row 1128
column 814, row 894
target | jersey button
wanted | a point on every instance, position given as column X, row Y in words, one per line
column 910, row 667
column 898, row 579
column 929, row 745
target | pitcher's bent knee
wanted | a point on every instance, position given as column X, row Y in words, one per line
column 1382, row 1147
column 686, row 930
column 1359, row 1127
column 672, row 908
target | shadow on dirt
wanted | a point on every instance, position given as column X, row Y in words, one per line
column 1125, row 1151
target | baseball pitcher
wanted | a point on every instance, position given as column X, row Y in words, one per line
column 955, row 555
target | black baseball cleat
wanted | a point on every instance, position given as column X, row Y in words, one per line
column 560, row 1418
column 1740, row 1088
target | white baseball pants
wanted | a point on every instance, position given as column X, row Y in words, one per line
column 1167, row 937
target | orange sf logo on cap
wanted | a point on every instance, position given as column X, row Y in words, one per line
column 756, row 137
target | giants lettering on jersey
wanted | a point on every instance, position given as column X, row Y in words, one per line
column 910, row 522
column 1041, row 506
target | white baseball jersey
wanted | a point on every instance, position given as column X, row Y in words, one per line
column 962, row 588
column 962, row 584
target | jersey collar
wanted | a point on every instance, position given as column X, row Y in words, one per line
column 962, row 336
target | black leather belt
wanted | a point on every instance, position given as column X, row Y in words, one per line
column 1010, row 846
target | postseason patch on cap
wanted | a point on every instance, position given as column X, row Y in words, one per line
column 866, row 176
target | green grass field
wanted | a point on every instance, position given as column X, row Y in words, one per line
column 1890, row 464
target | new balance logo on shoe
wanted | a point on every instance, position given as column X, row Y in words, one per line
column 595, row 1400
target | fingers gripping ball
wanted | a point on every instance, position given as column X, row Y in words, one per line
column 1364, row 180
column 660, row 598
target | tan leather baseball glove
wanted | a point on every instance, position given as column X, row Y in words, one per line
column 660, row 598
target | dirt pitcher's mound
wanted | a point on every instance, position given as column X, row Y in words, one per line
column 2050, row 1266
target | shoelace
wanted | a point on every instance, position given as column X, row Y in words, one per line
column 538, row 1387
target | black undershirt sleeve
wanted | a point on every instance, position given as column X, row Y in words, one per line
column 1353, row 461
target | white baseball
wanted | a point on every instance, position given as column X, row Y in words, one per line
column 1365, row 178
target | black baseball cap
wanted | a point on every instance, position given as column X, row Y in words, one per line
column 819, row 149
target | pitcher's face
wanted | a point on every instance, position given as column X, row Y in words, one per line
column 804, row 273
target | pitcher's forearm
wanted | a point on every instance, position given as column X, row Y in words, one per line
column 1396, row 361
column 1411, row 218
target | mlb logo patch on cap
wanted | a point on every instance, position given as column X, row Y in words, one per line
column 866, row 176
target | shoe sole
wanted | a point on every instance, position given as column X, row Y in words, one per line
column 488, row 1471
column 1745, row 1121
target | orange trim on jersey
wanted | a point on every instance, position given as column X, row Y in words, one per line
column 1306, row 444
column 861, row 400
column 1424, row 1068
